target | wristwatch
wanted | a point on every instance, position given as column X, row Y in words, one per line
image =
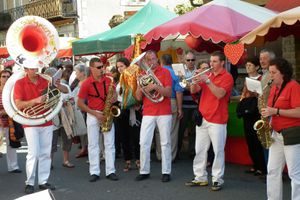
column 207, row 81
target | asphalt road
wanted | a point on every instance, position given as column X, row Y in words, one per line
column 73, row 184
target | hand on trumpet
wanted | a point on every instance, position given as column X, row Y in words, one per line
column 200, row 78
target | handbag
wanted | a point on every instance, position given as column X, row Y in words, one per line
column 291, row 135
column 198, row 117
column 79, row 126
column 247, row 106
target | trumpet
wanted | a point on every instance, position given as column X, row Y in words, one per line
column 184, row 82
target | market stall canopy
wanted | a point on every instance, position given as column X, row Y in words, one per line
column 217, row 21
column 119, row 38
column 284, row 24
column 282, row 5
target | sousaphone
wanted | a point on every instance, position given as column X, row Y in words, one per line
column 32, row 42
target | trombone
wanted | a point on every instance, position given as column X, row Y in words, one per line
column 184, row 82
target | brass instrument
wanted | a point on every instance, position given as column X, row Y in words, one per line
column 184, row 82
column 128, row 78
column 110, row 111
column 262, row 126
column 146, row 79
column 32, row 42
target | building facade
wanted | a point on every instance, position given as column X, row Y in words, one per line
column 73, row 18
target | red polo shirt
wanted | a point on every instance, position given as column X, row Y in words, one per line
column 288, row 99
column 163, row 107
column 96, row 101
column 25, row 90
column 215, row 110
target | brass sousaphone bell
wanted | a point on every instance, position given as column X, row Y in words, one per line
column 32, row 42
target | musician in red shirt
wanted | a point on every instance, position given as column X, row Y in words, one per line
column 156, row 114
column 215, row 92
column 95, row 89
column 284, row 109
column 28, row 91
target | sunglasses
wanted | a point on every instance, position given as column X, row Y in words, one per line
column 190, row 60
column 5, row 76
column 99, row 67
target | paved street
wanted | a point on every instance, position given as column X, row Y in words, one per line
column 72, row 184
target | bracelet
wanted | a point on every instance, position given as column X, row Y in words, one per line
column 278, row 112
column 207, row 81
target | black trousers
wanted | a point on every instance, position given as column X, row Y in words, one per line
column 255, row 148
column 129, row 135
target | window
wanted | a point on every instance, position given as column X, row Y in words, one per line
column 18, row 3
column 133, row 2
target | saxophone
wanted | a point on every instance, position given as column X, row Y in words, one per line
column 110, row 111
column 262, row 127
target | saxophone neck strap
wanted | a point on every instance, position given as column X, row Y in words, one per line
column 98, row 94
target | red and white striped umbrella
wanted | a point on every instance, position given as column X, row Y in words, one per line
column 218, row 21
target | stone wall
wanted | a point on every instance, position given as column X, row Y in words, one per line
column 291, row 52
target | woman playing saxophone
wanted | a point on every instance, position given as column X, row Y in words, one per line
column 284, row 109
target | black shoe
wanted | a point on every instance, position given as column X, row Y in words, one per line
column 142, row 177
column 112, row 177
column 29, row 189
column 94, row 178
column 47, row 186
column 216, row 186
column 165, row 178
column 16, row 171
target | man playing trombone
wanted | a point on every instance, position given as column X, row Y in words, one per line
column 215, row 94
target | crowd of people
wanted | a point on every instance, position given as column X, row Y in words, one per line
column 166, row 112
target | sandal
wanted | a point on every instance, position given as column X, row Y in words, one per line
column 127, row 166
column 82, row 154
column 67, row 164
column 137, row 164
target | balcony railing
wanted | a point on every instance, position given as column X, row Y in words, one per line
column 49, row 9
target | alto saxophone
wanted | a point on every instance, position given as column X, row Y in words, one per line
column 262, row 127
column 110, row 111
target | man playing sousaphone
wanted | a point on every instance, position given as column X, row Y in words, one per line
column 156, row 112
column 28, row 92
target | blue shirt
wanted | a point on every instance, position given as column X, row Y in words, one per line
column 175, row 82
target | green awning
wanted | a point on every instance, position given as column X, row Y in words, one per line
column 120, row 37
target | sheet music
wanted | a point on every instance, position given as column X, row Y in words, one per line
column 254, row 85
column 178, row 69
column 56, row 76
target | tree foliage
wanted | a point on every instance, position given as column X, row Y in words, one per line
column 181, row 9
column 116, row 20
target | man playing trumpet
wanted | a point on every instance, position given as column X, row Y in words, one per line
column 215, row 94
column 156, row 114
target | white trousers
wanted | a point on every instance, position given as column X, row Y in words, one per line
column 174, row 133
column 93, row 129
column 39, row 140
column 149, row 123
column 279, row 155
column 11, row 153
column 205, row 134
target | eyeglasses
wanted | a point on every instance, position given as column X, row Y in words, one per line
column 5, row 76
column 190, row 60
column 99, row 67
